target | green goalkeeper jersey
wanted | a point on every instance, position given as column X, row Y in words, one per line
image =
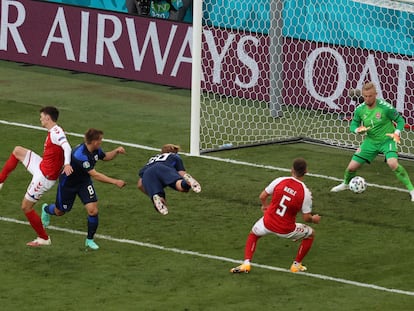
column 380, row 119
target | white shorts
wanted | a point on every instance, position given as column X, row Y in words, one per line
column 39, row 184
column 301, row 231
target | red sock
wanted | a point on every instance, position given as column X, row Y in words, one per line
column 304, row 248
column 8, row 167
column 250, row 247
column 36, row 224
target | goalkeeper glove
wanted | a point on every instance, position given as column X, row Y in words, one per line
column 395, row 136
column 362, row 129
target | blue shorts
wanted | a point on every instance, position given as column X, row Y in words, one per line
column 157, row 177
column 66, row 195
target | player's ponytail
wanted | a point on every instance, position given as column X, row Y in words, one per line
column 167, row 148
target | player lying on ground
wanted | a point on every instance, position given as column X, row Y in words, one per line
column 162, row 170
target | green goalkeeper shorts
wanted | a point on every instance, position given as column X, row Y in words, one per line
column 369, row 149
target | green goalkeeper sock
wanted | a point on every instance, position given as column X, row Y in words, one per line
column 402, row 176
column 348, row 176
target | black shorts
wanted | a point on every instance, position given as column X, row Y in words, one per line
column 66, row 195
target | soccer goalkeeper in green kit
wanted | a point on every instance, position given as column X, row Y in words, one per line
column 382, row 124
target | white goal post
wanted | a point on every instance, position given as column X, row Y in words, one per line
column 268, row 71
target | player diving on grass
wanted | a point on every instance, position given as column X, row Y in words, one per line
column 162, row 170
column 382, row 124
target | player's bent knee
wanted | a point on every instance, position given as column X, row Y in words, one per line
column 93, row 213
column 19, row 152
column 310, row 234
column 58, row 212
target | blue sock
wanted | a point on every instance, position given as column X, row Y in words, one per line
column 185, row 185
column 50, row 209
column 93, row 222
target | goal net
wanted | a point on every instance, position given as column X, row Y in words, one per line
column 282, row 70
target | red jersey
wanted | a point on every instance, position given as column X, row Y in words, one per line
column 53, row 153
column 289, row 197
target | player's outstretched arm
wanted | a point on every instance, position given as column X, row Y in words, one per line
column 110, row 155
column 106, row 179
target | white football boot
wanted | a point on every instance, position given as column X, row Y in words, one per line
column 340, row 187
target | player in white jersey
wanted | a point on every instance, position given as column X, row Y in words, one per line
column 45, row 170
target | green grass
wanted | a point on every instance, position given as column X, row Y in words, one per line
column 365, row 238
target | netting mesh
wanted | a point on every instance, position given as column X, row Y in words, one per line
column 318, row 50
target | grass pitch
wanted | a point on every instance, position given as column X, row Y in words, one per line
column 360, row 260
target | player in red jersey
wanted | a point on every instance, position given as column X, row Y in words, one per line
column 45, row 170
column 289, row 196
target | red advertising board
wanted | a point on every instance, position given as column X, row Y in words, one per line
column 315, row 75
column 94, row 41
